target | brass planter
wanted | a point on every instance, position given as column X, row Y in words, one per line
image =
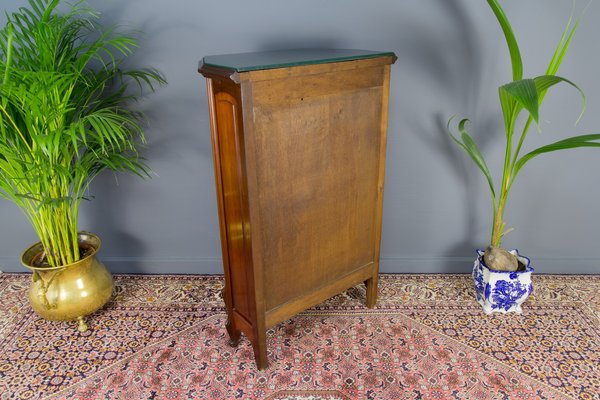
column 69, row 292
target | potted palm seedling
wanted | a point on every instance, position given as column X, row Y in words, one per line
column 64, row 118
column 503, row 278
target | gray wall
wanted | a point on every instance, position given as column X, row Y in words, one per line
column 451, row 59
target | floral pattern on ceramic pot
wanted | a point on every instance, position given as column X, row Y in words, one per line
column 502, row 291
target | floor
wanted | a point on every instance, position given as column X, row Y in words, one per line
column 163, row 337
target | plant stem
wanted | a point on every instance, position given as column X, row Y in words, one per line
column 8, row 52
column 498, row 227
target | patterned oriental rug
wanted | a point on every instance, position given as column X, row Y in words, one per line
column 163, row 337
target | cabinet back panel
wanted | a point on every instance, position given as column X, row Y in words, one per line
column 317, row 178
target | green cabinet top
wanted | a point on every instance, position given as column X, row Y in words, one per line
column 244, row 62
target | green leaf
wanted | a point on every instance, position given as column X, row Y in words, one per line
column 470, row 147
column 511, row 40
column 569, row 143
column 517, row 95
column 527, row 94
column 544, row 82
column 562, row 46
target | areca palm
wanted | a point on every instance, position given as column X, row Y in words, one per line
column 65, row 115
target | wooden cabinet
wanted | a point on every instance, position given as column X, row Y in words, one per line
column 299, row 143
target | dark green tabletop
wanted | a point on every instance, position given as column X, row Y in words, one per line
column 244, row 62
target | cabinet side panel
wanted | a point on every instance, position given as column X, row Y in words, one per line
column 318, row 175
column 234, row 216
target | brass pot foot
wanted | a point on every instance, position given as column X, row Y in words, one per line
column 82, row 326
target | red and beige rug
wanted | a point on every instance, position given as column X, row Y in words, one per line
column 163, row 337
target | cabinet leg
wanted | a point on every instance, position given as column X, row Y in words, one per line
column 372, row 291
column 259, row 344
column 234, row 334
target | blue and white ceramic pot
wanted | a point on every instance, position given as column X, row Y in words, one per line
column 502, row 291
